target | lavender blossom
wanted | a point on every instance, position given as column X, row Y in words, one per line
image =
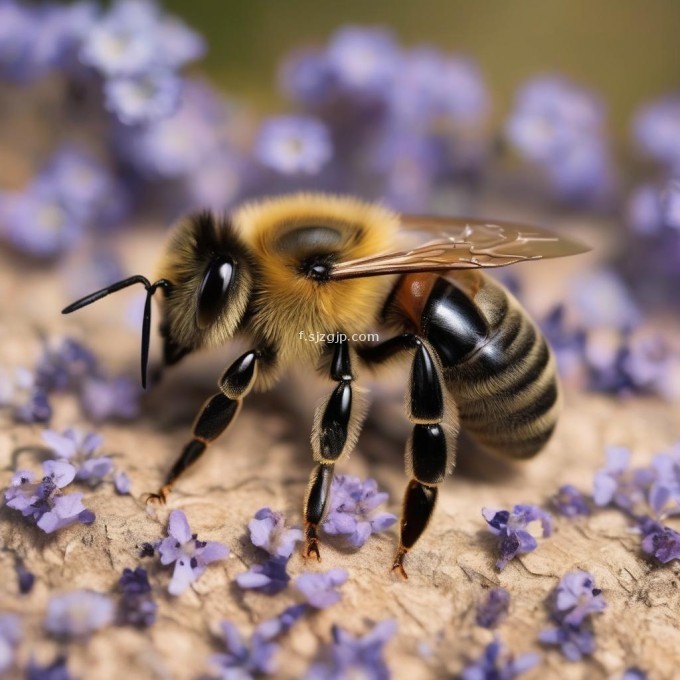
column 352, row 509
column 190, row 555
column 143, row 99
column 16, row 34
column 25, row 578
column 576, row 597
column 495, row 663
column 36, row 222
column 664, row 491
column 56, row 670
column 656, row 129
column 78, row 614
column 560, row 126
column 64, row 364
column 319, row 589
column 122, row 483
column 268, row 531
column 77, row 448
column 574, row 641
column 306, row 76
column 570, row 502
column 44, row 502
column 136, row 607
column 493, row 609
column 243, row 660
column 106, row 398
column 644, row 211
column 293, row 145
column 660, row 541
column 511, row 528
column 573, row 602
column 618, row 485
column 269, row 578
column 10, row 636
column 634, row 673
column 350, row 656
column 363, row 60
column 19, row 392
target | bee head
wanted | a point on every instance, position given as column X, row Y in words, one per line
column 210, row 275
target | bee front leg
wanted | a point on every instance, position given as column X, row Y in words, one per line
column 336, row 427
column 214, row 417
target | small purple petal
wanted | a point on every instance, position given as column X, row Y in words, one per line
column 319, row 589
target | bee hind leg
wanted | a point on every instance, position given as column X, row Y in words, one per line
column 429, row 451
column 213, row 419
column 336, row 427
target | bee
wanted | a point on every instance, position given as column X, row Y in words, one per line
column 339, row 266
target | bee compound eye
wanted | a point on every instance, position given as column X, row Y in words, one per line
column 213, row 291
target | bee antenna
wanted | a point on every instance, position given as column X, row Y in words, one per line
column 151, row 288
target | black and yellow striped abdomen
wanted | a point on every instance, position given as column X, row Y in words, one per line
column 497, row 365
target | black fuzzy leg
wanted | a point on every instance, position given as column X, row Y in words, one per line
column 329, row 440
column 427, row 451
column 214, row 417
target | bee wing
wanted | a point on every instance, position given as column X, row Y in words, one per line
column 461, row 243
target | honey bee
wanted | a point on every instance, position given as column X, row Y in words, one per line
column 329, row 265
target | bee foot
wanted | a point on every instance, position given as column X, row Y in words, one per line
column 311, row 543
column 398, row 565
column 160, row 498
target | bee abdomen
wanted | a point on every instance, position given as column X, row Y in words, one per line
column 507, row 391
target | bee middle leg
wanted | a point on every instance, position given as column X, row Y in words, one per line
column 429, row 450
column 336, row 428
column 214, row 417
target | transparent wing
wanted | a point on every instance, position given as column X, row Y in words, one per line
column 461, row 243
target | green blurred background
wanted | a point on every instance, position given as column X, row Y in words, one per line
column 628, row 50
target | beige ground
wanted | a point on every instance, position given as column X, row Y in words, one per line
column 264, row 460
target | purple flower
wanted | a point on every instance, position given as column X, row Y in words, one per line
column 494, row 664
column 27, row 400
column 36, row 221
column 136, row 607
column 349, row 656
column 656, row 129
column 78, row 448
column 243, row 660
column 120, row 42
column 661, row 542
column 181, row 144
column 567, row 342
column 363, row 60
column 294, row 144
column 570, row 502
column 122, row 483
column 10, row 635
column 44, row 502
column 24, row 576
column 670, row 202
column 653, row 365
column 17, row 31
column 511, row 528
column 560, row 126
column 576, row 597
column 319, row 589
column 634, row 673
column 269, row 578
column 494, row 608
column 190, row 555
column 306, row 76
column 84, row 186
column 268, row 531
column 110, row 398
column 644, row 211
column 352, row 509
column 574, row 641
column 574, row 600
column 282, row 623
column 144, row 98
column 78, row 614
column 616, row 484
column 64, row 364
column 664, row 492
column 57, row 670
column 134, row 37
